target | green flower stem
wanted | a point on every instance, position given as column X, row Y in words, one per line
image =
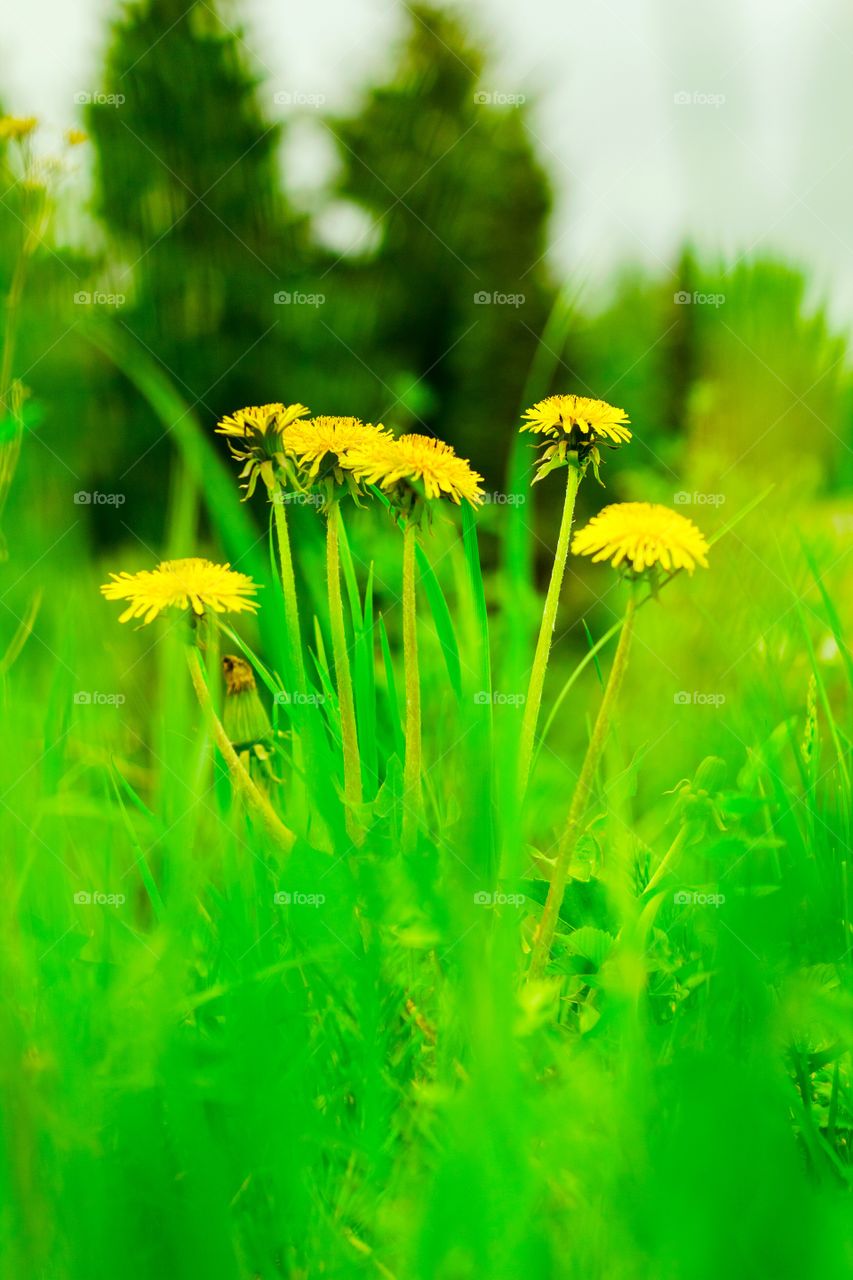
column 546, row 630
column 669, row 857
column 580, row 799
column 288, row 583
column 242, row 782
column 343, row 675
column 412, row 771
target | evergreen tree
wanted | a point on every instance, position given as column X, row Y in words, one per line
column 188, row 188
column 450, row 181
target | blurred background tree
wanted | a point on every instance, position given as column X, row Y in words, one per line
column 201, row 240
column 200, row 236
column 450, row 181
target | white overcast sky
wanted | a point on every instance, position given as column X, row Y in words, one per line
column 758, row 158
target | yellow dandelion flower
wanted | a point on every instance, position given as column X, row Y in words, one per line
column 16, row 128
column 644, row 534
column 575, row 425
column 260, row 419
column 328, row 440
column 254, row 437
column 578, row 416
column 193, row 583
column 416, row 459
column 76, row 137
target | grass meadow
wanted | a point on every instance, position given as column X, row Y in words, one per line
column 276, row 1018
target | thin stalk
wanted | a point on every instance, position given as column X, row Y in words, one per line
column 669, row 857
column 240, row 778
column 288, row 583
column 14, row 299
column 580, row 799
column 10, row 394
column 343, row 674
column 412, row 771
column 533, row 701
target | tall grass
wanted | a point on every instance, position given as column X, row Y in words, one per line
column 232, row 1061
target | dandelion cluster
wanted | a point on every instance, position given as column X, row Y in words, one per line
column 337, row 455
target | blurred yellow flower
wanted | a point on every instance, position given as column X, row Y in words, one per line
column 329, row 439
column 416, row 459
column 76, row 137
column 16, row 128
column 644, row 534
column 193, row 583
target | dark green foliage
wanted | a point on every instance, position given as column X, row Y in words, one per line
column 459, row 203
column 201, row 238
